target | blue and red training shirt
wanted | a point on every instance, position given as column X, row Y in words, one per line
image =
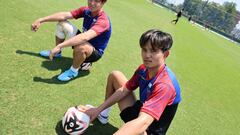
column 157, row 92
column 100, row 24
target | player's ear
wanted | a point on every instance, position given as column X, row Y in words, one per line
column 166, row 53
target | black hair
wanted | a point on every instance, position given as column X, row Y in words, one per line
column 157, row 39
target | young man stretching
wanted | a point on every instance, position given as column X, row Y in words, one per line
column 89, row 45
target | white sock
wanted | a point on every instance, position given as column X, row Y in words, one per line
column 74, row 69
column 105, row 112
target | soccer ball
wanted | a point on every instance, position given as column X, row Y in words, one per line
column 75, row 122
column 85, row 66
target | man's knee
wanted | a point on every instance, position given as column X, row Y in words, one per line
column 117, row 77
column 65, row 29
column 79, row 50
column 115, row 74
column 59, row 31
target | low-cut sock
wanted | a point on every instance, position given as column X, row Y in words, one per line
column 105, row 113
column 75, row 70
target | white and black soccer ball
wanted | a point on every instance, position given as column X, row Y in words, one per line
column 86, row 66
column 75, row 122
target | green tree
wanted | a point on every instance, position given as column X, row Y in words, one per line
column 229, row 18
column 221, row 17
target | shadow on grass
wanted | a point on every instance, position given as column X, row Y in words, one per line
column 54, row 79
column 62, row 63
column 96, row 129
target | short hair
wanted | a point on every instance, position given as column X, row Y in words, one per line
column 104, row 1
column 157, row 39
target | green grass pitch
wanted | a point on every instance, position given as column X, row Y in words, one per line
column 32, row 101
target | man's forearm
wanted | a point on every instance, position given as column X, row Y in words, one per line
column 137, row 126
column 79, row 39
column 61, row 16
column 117, row 96
column 76, row 40
column 132, row 128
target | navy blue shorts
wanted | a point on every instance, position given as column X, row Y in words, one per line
column 95, row 56
column 157, row 127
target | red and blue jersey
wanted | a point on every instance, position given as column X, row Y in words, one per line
column 100, row 24
column 157, row 92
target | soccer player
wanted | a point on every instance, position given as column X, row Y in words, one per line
column 159, row 91
column 179, row 14
column 88, row 45
column 190, row 18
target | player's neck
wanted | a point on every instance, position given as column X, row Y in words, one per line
column 95, row 13
column 153, row 71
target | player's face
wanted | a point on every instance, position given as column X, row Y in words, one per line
column 95, row 5
column 152, row 58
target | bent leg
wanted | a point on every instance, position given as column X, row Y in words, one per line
column 58, row 40
column 65, row 30
column 80, row 53
column 116, row 80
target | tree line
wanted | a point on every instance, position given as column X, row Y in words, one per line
column 220, row 17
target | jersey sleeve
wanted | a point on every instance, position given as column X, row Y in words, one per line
column 102, row 24
column 132, row 84
column 78, row 13
column 158, row 100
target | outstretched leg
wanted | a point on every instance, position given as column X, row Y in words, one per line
column 176, row 21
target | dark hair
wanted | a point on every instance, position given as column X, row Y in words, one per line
column 157, row 39
column 104, row 1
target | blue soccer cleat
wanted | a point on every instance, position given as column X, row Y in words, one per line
column 67, row 75
column 46, row 53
